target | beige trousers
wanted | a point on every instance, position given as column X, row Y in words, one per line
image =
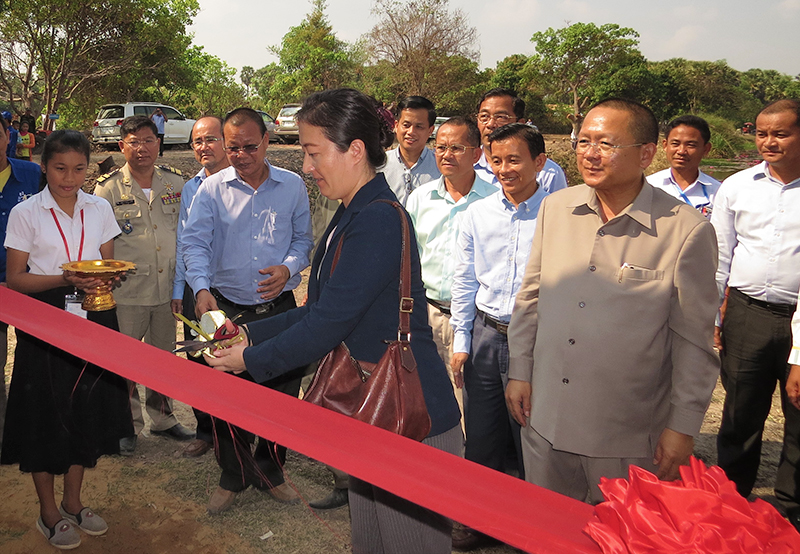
column 156, row 325
column 443, row 337
column 571, row 474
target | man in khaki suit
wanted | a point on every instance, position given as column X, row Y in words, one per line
column 610, row 339
column 146, row 202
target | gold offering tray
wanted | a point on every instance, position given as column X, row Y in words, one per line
column 92, row 267
column 101, row 298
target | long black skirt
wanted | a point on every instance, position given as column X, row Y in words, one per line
column 62, row 411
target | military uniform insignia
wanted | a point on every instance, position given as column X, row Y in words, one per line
column 171, row 197
column 127, row 228
column 170, row 169
column 125, row 200
column 106, row 176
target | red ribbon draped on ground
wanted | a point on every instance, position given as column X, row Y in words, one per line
column 701, row 513
column 516, row 512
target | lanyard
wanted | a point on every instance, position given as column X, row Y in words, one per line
column 64, row 238
column 686, row 199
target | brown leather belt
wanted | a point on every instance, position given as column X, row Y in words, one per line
column 496, row 324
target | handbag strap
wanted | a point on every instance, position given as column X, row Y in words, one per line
column 406, row 302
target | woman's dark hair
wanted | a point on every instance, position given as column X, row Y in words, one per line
column 345, row 115
column 60, row 142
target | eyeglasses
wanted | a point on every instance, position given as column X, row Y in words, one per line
column 205, row 141
column 140, row 143
column 247, row 149
column 604, row 148
column 456, row 149
column 499, row 118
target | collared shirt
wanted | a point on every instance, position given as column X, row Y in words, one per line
column 159, row 120
column 31, row 229
column 551, row 178
column 757, row 220
column 22, row 184
column 188, row 192
column 699, row 195
column 493, row 249
column 403, row 180
column 234, row 230
column 436, row 217
column 149, row 223
column 613, row 324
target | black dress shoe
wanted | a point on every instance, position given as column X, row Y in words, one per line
column 336, row 499
column 127, row 445
column 177, row 432
column 793, row 515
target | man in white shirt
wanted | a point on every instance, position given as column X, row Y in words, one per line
column 757, row 221
column 498, row 107
column 411, row 163
column 686, row 144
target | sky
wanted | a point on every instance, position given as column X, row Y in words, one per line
column 746, row 33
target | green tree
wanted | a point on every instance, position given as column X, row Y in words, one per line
column 416, row 37
column 246, row 76
column 310, row 58
column 768, row 85
column 712, row 87
column 51, row 50
column 510, row 73
column 568, row 59
column 644, row 82
column 211, row 91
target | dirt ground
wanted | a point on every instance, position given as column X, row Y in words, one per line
column 155, row 500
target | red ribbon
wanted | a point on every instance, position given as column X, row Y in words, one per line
column 513, row 511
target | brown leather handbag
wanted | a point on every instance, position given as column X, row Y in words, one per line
column 387, row 394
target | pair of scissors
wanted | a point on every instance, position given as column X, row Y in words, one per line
column 220, row 335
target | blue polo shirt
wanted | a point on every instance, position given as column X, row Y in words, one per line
column 23, row 182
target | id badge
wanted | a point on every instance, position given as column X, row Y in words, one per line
column 72, row 304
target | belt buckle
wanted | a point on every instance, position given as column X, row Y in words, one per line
column 265, row 308
column 502, row 328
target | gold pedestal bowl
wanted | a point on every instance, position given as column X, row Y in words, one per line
column 100, row 299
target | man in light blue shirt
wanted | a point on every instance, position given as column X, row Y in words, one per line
column 246, row 222
column 493, row 248
column 209, row 151
column 160, row 119
column 411, row 163
column 436, row 209
column 498, row 107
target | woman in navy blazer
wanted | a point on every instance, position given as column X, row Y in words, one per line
column 342, row 136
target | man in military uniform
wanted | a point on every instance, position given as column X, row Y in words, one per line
column 146, row 201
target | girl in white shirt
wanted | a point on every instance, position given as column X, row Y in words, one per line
column 63, row 413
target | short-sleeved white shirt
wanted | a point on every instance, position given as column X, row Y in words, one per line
column 31, row 229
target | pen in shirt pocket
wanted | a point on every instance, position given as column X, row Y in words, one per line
column 622, row 269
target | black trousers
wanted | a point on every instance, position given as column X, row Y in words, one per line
column 160, row 144
column 264, row 468
column 205, row 429
column 756, row 342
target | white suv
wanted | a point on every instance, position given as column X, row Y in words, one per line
column 178, row 129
